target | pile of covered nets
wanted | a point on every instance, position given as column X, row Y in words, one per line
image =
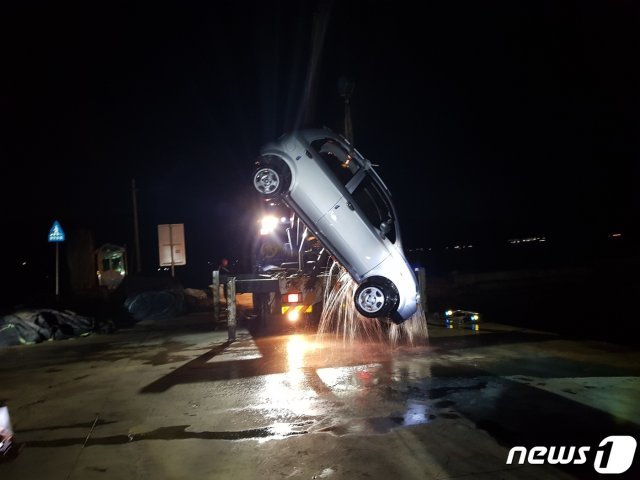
column 37, row 325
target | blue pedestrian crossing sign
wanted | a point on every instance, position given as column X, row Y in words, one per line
column 56, row 234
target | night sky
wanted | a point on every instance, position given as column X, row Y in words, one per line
column 489, row 120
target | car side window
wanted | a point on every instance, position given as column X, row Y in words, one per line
column 375, row 205
column 339, row 161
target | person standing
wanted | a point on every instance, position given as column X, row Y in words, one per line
column 225, row 272
column 224, row 268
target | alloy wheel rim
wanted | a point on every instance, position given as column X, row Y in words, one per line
column 371, row 299
column 266, row 180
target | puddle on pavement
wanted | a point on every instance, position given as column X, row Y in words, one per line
column 440, row 392
column 172, row 352
column 90, row 424
column 179, row 432
column 346, row 388
column 164, row 358
column 414, row 415
column 97, row 469
column 418, row 412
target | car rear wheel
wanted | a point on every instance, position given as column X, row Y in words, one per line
column 376, row 297
column 271, row 180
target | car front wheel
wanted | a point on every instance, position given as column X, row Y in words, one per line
column 376, row 297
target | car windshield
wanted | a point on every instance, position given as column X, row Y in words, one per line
column 376, row 206
column 339, row 161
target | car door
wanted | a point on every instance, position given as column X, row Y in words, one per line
column 352, row 238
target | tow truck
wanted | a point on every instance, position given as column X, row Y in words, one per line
column 291, row 275
column 291, row 271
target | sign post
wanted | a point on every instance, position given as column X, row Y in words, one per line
column 56, row 235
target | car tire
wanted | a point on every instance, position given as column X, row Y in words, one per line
column 271, row 179
column 376, row 297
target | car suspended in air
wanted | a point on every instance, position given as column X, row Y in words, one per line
column 342, row 200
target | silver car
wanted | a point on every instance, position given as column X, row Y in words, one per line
column 339, row 196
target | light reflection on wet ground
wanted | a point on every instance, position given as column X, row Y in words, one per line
column 344, row 389
column 368, row 388
column 264, row 389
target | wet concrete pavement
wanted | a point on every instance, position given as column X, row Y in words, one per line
column 173, row 399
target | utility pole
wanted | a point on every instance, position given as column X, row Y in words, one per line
column 318, row 34
column 135, row 224
column 345, row 87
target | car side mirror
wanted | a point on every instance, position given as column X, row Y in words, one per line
column 385, row 227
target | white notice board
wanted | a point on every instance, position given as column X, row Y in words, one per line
column 171, row 239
